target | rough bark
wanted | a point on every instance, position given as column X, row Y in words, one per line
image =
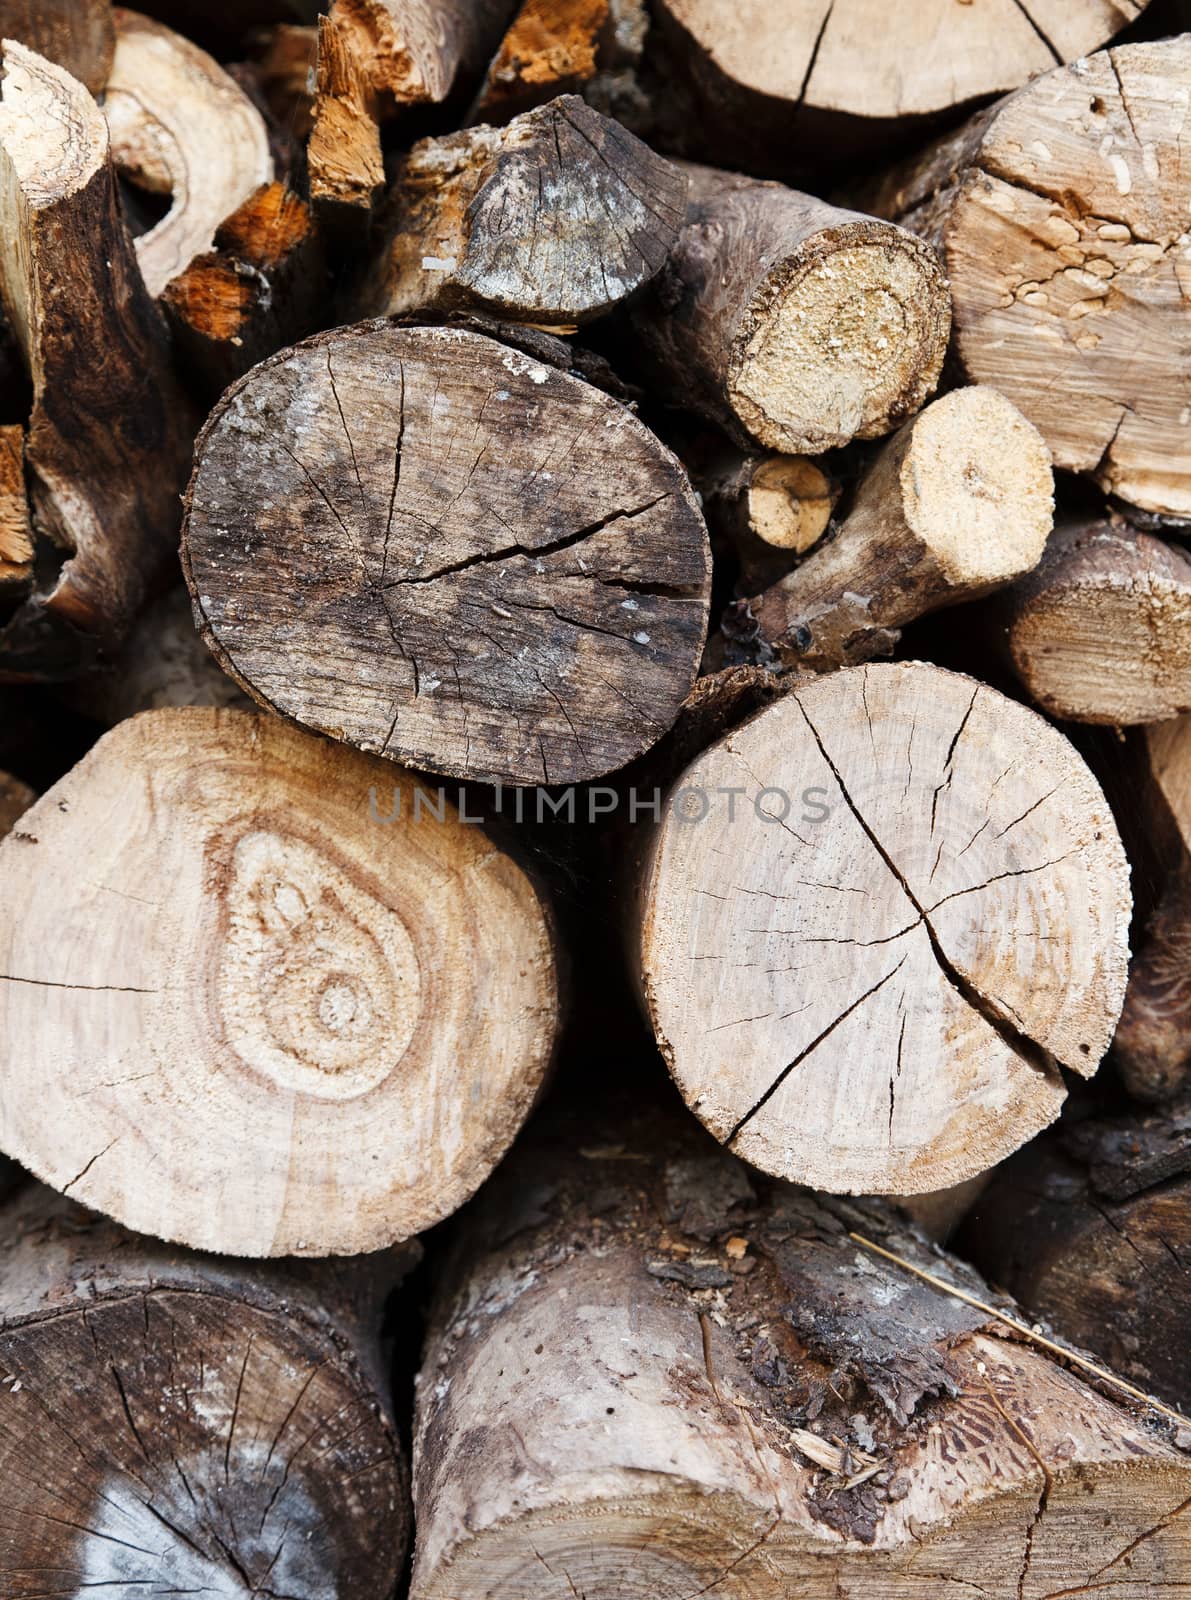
column 555, row 218
column 443, row 550
column 958, row 503
column 872, row 924
column 1091, row 1229
column 109, row 439
column 272, row 1016
column 1152, row 1045
column 180, row 126
column 177, row 1424
column 16, row 535
column 76, row 34
column 1101, row 631
column 376, row 57
column 790, row 322
column 560, row 47
column 650, row 1373
column 768, row 509
column 263, row 285
column 1061, row 218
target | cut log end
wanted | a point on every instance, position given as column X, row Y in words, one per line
column 827, row 972
column 302, row 969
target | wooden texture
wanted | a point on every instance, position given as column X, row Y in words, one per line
column 376, row 57
column 866, row 977
column 1062, row 218
column 268, row 1016
column 958, row 503
column 650, row 1374
column 16, row 535
column 1091, row 1229
column 284, row 60
column 560, row 47
column 180, row 126
column 263, row 285
column 174, row 1424
column 440, row 549
column 767, row 509
column 109, row 439
column 554, row 218
column 1101, row 631
column 793, row 324
column 78, row 35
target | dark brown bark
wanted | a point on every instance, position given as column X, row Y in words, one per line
column 16, row 541
column 1090, row 1228
column 445, row 551
column 769, row 510
column 109, row 438
column 282, row 61
column 553, row 219
column 178, row 1423
column 75, row 34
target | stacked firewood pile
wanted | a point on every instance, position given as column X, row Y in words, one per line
column 622, row 567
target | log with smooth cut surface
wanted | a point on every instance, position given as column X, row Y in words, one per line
column 871, row 988
column 1063, row 219
column 792, row 323
column 262, row 1013
column 439, row 549
column 175, row 1424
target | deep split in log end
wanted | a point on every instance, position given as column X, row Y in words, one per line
column 490, row 568
column 865, row 974
column 285, row 1011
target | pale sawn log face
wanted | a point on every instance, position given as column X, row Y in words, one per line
column 170, row 1424
column 872, row 994
column 439, row 549
column 554, row 218
column 636, row 1345
column 262, row 1020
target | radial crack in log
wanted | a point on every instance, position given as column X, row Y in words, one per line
column 109, row 439
column 792, row 323
column 489, row 567
column 865, row 973
column 175, row 1424
column 1062, row 219
column 341, row 1001
column 555, row 218
column 180, row 126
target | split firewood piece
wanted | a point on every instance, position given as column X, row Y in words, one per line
column 960, row 502
column 1152, row 1046
column 769, row 508
column 109, row 440
column 180, row 126
column 1091, row 1229
column 442, row 550
column 262, row 286
column 559, row 47
column 16, row 542
column 554, row 218
column 288, row 1009
column 793, row 323
column 703, row 1381
column 172, row 1423
column 1062, row 219
column 1101, row 631
column 826, row 909
column 15, row 799
column 797, row 66
column 76, row 34
column 376, row 57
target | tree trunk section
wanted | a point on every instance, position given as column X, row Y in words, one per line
column 287, row 1009
column 464, row 558
column 1091, row 1229
column 650, row 1373
column 958, row 503
column 1059, row 215
column 176, row 1424
column 824, row 918
column 109, row 440
column 555, row 218
column 75, row 34
column 767, row 509
column 791, row 323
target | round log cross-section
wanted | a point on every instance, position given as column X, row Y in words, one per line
column 877, row 917
column 267, row 1003
column 436, row 548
